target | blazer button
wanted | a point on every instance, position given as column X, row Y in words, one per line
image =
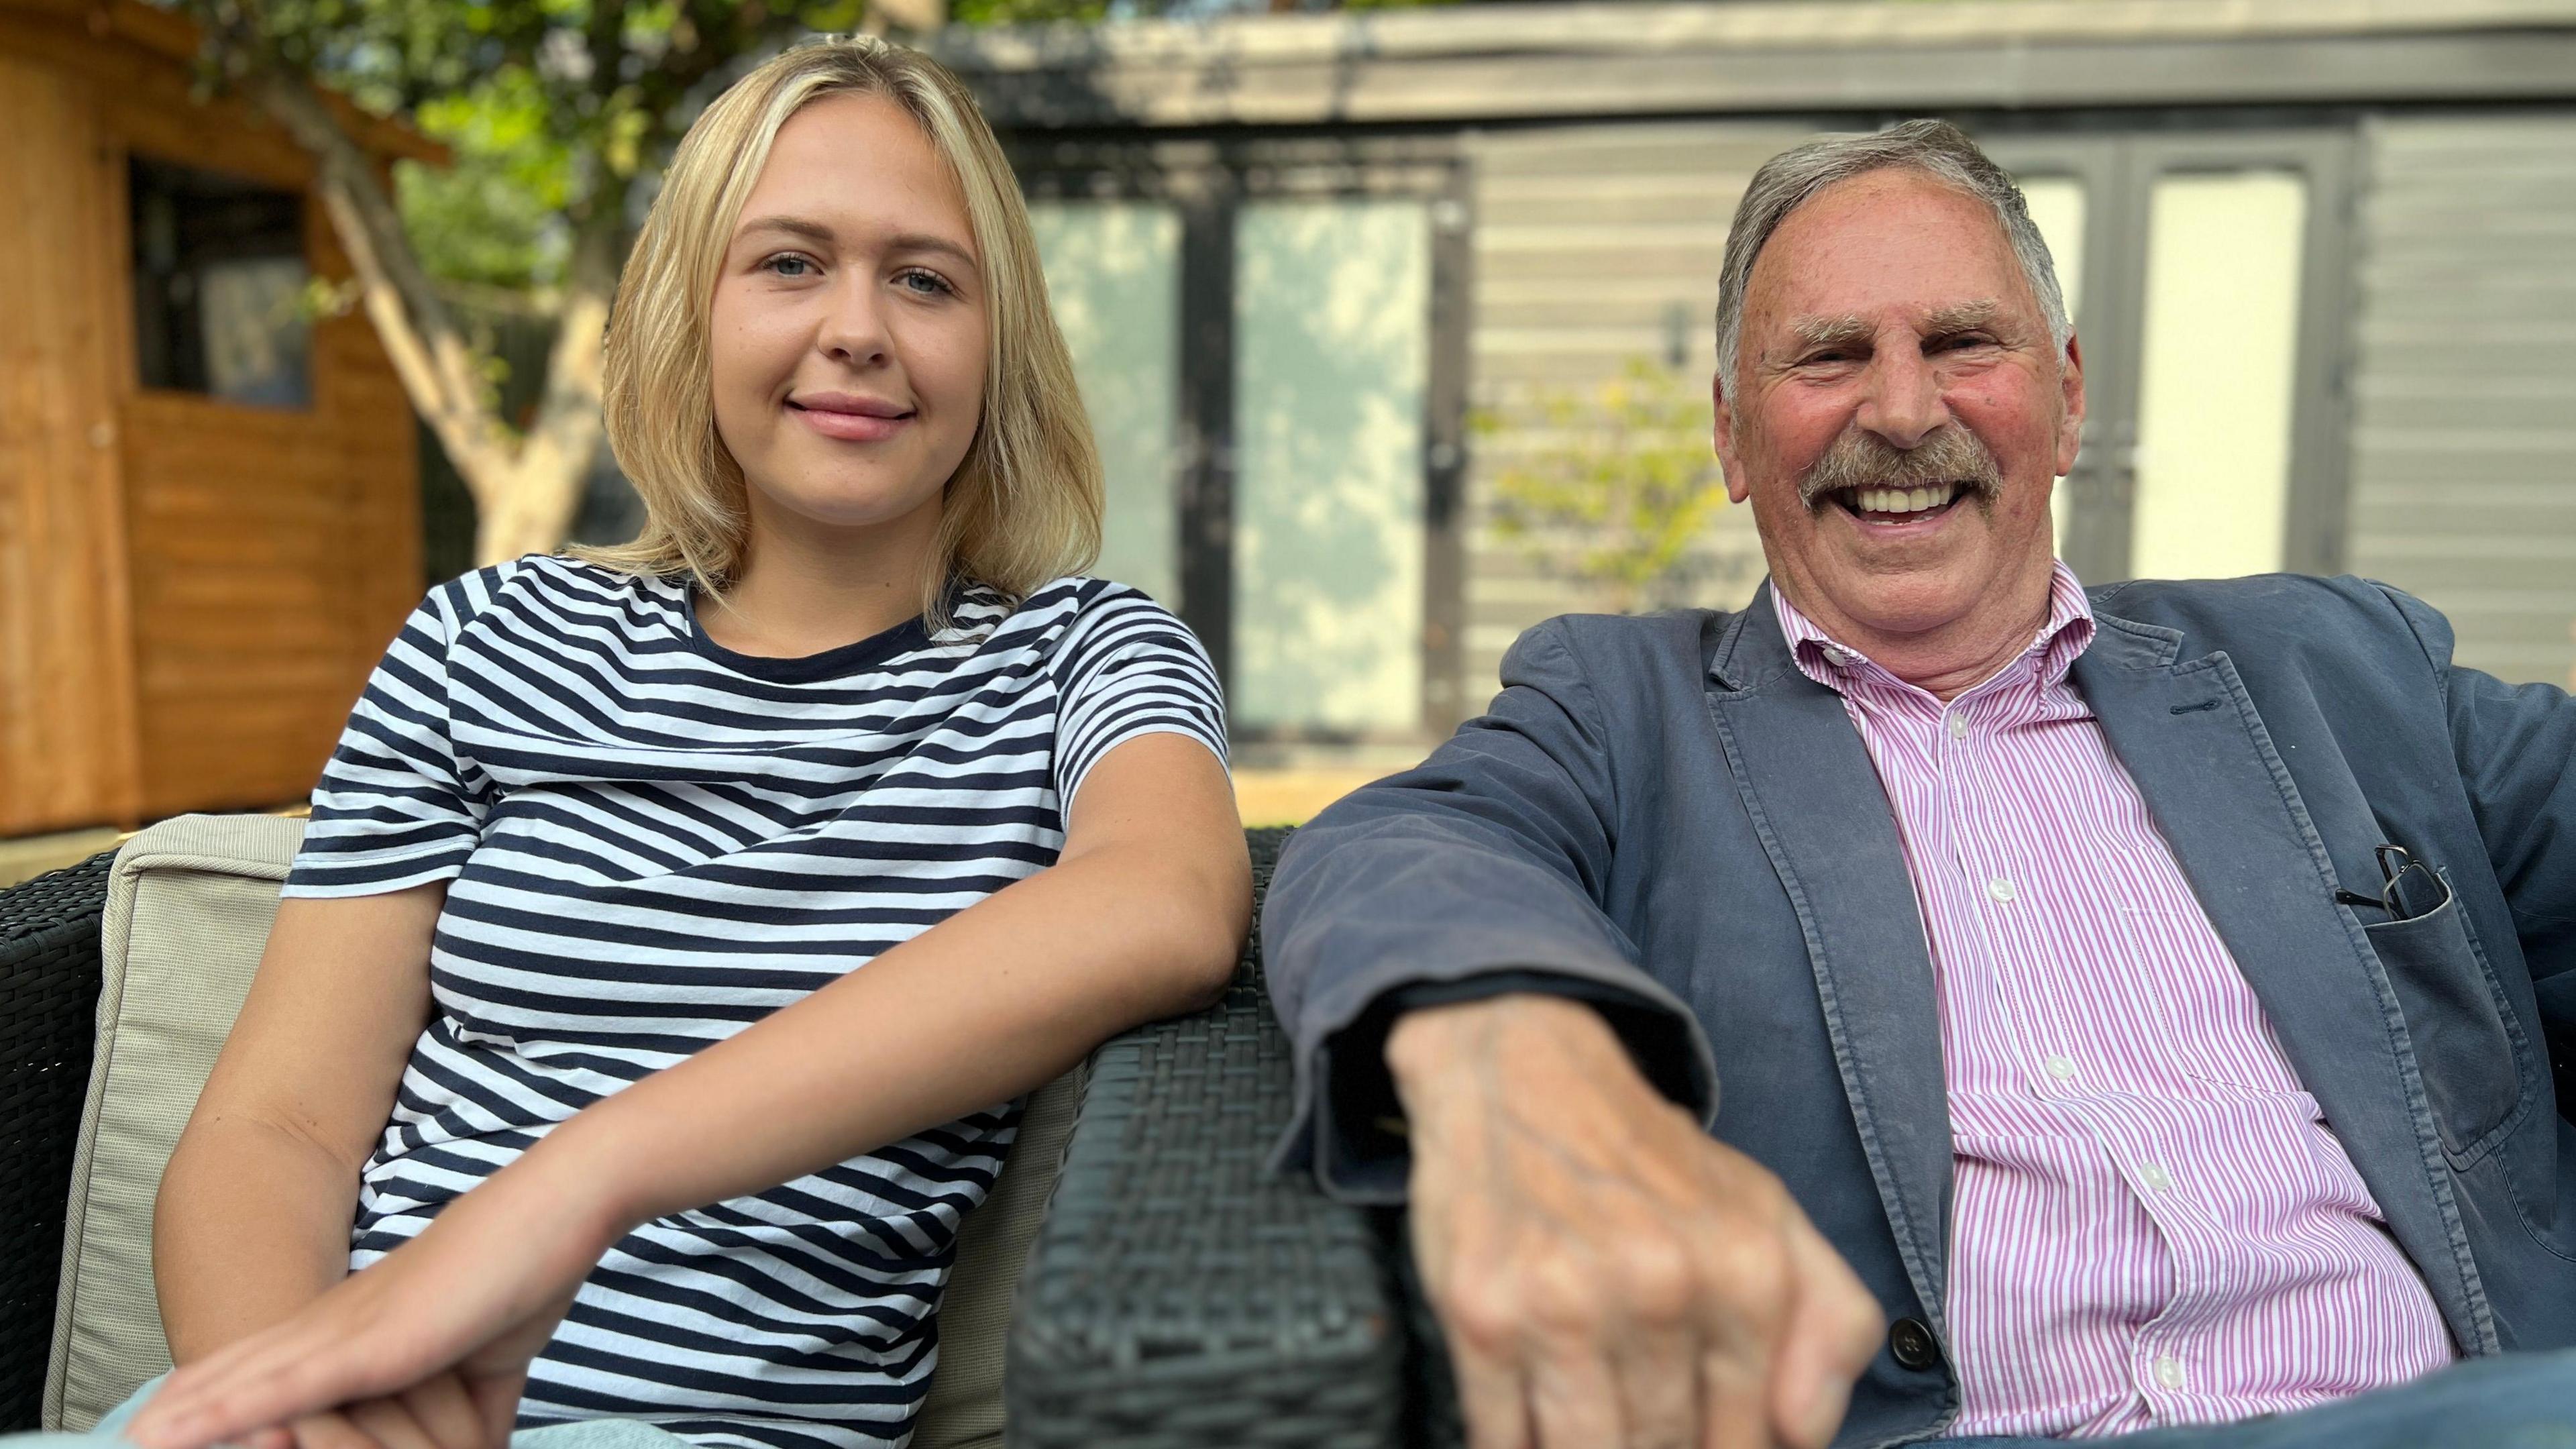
column 1912, row 1343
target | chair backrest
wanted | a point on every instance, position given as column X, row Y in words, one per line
column 188, row 912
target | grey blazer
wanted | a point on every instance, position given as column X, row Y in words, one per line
column 1663, row 815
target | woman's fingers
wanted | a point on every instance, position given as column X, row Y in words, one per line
column 390, row 1423
column 496, row 1402
column 446, row 1411
column 328, row 1431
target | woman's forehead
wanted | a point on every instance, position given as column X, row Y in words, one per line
column 859, row 162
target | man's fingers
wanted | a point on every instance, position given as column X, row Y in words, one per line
column 1659, row 1391
column 1833, row 1332
column 1574, row 1399
column 1735, row 1398
column 1493, row 1402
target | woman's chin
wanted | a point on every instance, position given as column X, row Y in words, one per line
column 852, row 507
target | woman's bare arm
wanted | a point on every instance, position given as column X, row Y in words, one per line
column 1141, row 917
column 253, row 1218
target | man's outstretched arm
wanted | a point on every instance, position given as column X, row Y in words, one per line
column 1606, row 1273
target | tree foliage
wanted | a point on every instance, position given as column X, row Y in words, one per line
column 1623, row 487
column 555, row 111
column 550, row 108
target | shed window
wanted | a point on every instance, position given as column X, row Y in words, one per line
column 219, row 279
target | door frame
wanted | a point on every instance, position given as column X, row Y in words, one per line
column 1207, row 182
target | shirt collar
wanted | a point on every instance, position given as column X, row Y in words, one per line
column 2053, row 651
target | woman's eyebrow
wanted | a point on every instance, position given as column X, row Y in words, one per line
column 919, row 241
column 792, row 225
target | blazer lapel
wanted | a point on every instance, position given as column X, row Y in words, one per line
column 2189, row 736
column 1823, row 819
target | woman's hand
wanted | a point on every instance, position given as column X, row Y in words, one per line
column 439, row 1412
column 427, row 1349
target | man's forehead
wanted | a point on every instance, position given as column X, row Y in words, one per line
column 1815, row 328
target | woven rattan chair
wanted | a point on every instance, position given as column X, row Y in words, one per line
column 1177, row 1294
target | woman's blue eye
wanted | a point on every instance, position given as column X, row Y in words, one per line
column 928, row 284
column 788, row 264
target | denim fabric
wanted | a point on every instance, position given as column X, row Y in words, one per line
column 1665, row 807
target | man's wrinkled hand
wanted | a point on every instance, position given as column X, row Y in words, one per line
column 1607, row 1274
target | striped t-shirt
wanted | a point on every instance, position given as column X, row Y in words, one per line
column 652, row 842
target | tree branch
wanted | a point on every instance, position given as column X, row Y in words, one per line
column 420, row 337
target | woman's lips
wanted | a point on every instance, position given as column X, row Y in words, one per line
column 850, row 427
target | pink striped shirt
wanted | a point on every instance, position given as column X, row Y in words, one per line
column 2152, row 1223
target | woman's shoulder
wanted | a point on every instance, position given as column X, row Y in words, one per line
column 566, row 594
column 1065, row 610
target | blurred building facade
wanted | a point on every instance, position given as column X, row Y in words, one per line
column 2319, row 253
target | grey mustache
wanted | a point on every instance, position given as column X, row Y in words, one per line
column 1862, row 459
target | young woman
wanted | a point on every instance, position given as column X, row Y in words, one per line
column 785, row 845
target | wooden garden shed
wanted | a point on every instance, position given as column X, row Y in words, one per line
column 209, row 503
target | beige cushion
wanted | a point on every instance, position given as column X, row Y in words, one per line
column 188, row 911
column 965, row 1406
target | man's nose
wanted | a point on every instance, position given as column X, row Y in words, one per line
column 1902, row 401
column 854, row 327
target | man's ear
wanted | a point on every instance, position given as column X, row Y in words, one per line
column 1722, row 438
column 2070, row 386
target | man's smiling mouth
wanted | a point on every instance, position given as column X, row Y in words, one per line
column 1899, row 505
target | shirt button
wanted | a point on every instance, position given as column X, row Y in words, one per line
column 2169, row 1372
column 2001, row 889
column 2156, row 1177
column 1958, row 725
column 1836, row 657
column 2060, row 1067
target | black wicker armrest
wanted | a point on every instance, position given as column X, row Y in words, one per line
column 1180, row 1295
column 48, row 1007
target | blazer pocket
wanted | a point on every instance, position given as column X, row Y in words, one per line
column 2469, row 1048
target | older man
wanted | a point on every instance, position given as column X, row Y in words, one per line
column 1938, row 1001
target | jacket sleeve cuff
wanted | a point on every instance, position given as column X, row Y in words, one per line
column 1358, row 1146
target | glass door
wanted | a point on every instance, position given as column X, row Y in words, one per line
column 1113, row 273
column 2206, row 276
column 1332, row 350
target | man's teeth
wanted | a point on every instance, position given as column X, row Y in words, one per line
column 1901, row 500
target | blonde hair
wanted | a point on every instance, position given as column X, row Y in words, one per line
column 1025, row 505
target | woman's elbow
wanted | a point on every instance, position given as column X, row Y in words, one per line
column 1210, row 944
column 1208, row 953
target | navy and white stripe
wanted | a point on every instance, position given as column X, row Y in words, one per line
column 652, row 842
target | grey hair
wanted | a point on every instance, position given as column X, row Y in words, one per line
column 1935, row 148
